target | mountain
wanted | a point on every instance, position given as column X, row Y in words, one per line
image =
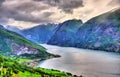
column 101, row 32
column 1, row 27
column 13, row 44
column 65, row 33
column 40, row 33
column 14, row 29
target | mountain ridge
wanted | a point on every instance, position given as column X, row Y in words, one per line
column 89, row 35
column 12, row 43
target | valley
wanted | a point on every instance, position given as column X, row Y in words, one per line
column 71, row 48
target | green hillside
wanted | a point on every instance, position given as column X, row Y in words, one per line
column 14, row 44
column 10, row 68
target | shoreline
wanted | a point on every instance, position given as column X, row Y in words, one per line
column 34, row 62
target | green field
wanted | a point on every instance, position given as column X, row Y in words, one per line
column 11, row 68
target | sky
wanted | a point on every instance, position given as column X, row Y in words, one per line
column 28, row 13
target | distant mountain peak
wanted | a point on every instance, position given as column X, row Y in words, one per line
column 73, row 21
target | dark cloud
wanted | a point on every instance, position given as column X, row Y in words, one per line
column 66, row 5
column 1, row 1
column 3, row 20
column 27, row 17
column 30, row 18
column 23, row 12
column 30, row 6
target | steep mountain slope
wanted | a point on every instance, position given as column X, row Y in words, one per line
column 40, row 33
column 101, row 32
column 1, row 27
column 65, row 33
column 14, row 44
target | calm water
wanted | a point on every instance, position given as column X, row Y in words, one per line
column 88, row 63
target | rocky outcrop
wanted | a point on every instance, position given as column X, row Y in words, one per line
column 21, row 50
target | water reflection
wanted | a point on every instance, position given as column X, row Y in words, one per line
column 89, row 63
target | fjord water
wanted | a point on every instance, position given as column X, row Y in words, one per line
column 89, row 63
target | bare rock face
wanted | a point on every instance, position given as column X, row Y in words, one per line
column 18, row 49
column 10, row 47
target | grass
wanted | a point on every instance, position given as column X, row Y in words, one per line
column 22, row 60
column 11, row 68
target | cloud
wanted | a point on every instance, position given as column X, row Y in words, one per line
column 3, row 21
column 114, row 2
column 1, row 1
column 66, row 5
column 94, row 8
column 26, row 11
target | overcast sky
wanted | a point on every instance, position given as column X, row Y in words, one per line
column 28, row 13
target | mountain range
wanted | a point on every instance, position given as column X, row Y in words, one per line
column 100, row 33
column 17, row 46
column 65, row 33
column 40, row 33
column 19, row 55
